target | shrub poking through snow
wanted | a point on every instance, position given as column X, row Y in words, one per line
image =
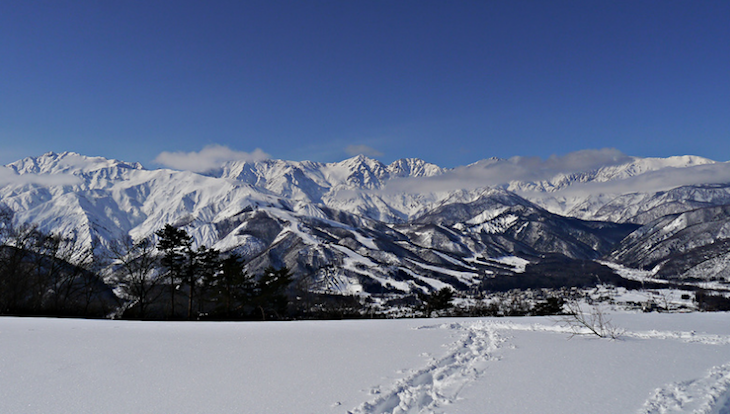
column 593, row 321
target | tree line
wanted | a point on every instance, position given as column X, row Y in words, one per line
column 174, row 280
column 161, row 277
column 53, row 275
column 47, row 274
column 164, row 277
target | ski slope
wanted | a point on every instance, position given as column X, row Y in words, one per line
column 664, row 363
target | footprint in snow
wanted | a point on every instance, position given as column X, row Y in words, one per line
column 439, row 383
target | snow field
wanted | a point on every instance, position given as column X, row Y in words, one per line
column 664, row 363
column 101, row 366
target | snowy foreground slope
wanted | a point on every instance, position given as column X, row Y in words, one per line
column 665, row 363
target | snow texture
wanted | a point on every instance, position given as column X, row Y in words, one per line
column 707, row 395
column 678, row 363
column 438, row 384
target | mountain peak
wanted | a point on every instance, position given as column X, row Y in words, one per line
column 67, row 162
column 413, row 167
column 346, row 215
column 361, row 159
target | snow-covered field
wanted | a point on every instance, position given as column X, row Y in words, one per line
column 664, row 363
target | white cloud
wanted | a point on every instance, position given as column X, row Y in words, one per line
column 653, row 181
column 10, row 177
column 209, row 158
column 495, row 172
column 499, row 172
column 537, row 169
column 364, row 150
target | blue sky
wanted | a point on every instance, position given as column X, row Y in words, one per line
column 451, row 82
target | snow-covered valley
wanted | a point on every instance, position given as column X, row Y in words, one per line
column 662, row 363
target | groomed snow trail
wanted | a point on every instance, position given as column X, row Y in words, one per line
column 431, row 388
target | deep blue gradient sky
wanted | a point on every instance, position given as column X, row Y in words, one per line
column 451, row 82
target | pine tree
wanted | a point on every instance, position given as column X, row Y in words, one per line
column 176, row 245
column 232, row 287
column 206, row 268
column 270, row 291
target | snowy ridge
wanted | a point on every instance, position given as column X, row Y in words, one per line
column 638, row 191
column 67, row 162
column 408, row 215
column 630, row 167
column 689, row 244
column 278, row 213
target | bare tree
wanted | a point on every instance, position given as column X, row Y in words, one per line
column 21, row 288
column 591, row 322
column 6, row 222
column 15, row 286
column 63, row 267
column 135, row 272
column 42, row 273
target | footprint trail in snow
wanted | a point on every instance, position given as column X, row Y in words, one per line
column 439, row 383
column 432, row 388
column 707, row 395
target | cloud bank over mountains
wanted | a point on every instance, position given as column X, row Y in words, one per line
column 498, row 172
column 535, row 168
column 209, row 158
column 519, row 174
column 653, row 181
column 492, row 172
column 657, row 175
column 10, row 177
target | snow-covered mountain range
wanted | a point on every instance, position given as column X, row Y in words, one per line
column 360, row 225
